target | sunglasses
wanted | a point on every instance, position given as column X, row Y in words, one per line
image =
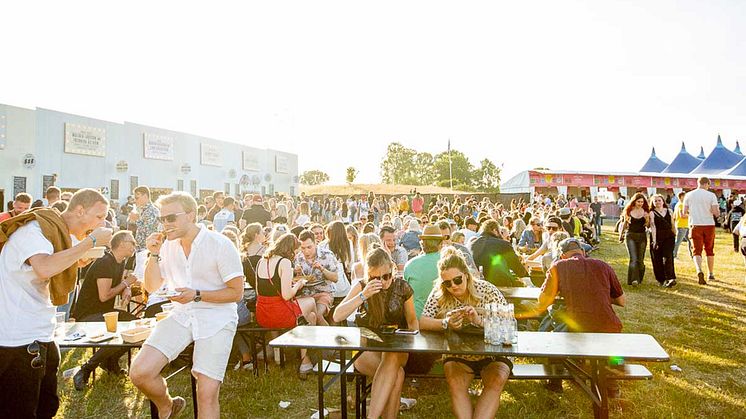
column 552, row 228
column 457, row 280
column 34, row 349
column 170, row 218
column 384, row 277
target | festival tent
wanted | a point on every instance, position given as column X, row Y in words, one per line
column 517, row 184
column 739, row 170
column 737, row 150
column 654, row 164
column 683, row 163
column 719, row 160
column 701, row 154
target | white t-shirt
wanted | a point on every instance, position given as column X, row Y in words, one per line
column 26, row 310
column 222, row 218
column 302, row 220
column 699, row 203
column 213, row 261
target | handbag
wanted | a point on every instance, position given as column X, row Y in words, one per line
column 291, row 304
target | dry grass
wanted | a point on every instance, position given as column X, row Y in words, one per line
column 378, row 189
column 702, row 328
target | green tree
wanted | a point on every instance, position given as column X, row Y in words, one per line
column 463, row 170
column 313, row 177
column 423, row 169
column 351, row 174
column 397, row 166
column 487, row 177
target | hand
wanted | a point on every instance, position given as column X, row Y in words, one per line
column 186, row 296
column 317, row 265
column 102, row 235
column 471, row 314
column 130, row 280
column 372, row 288
column 301, row 283
column 133, row 216
column 126, row 296
column 154, row 243
column 456, row 320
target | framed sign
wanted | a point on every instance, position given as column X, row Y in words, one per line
column 88, row 141
column 46, row 182
column 19, row 185
column 114, row 189
column 210, row 155
column 157, row 147
column 282, row 164
column 250, row 161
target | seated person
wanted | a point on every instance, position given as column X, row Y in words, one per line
column 496, row 257
column 318, row 266
column 382, row 299
column 453, row 304
column 102, row 284
column 532, row 238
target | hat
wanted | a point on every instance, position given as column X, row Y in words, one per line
column 569, row 244
column 431, row 232
column 565, row 212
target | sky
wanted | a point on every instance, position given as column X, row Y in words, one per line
column 583, row 85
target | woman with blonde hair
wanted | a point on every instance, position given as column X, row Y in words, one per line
column 364, row 245
column 383, row 299
column 456, row 302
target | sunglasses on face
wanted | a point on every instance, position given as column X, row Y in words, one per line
column 170, row 218
column 457, row 280
column 384, row 277
column 34, row 349
column 552, row 228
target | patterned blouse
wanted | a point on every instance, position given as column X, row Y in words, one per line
column 147, row 224
column 327, row 259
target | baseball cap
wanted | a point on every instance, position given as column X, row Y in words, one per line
column 568, row 245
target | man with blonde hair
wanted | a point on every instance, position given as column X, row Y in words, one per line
column 203, row 275
column 701, row 206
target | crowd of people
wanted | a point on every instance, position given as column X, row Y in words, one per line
column 282, row 261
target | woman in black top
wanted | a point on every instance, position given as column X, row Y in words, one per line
column 662, row 240
column 636, row 218
column 382, row 300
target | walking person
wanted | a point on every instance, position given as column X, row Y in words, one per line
column 635, row 219
column 702, row 207
column 682, row 227
column 205, row 270
column 662, row 240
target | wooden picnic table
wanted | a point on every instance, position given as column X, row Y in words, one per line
column 594, row 348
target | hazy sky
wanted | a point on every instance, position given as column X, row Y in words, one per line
column 587, row 85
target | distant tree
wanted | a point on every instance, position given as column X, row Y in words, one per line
column 463, row 170
column 487, row 177
column 397, row 166
column 424, row 171
column 313, row 177
column 351, row 174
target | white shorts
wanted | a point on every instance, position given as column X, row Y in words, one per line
column 210, row 354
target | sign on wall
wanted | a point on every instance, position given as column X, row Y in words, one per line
column 114, row 189
column 19, row 185
column 157, row 147
column 250, row 161
column 282, row 164
column 88, row 141
column 46, row 182
column 210, row 155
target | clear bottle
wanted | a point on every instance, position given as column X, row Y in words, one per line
column 487, row 324
column 512, row 327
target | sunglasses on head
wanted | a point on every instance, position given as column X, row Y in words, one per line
column 457, row 280
column 170, row 218
column 34, row 349
column 384, row 277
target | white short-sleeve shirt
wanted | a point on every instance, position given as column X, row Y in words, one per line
column 699, row 203
column 213, row 261
column 26, row 310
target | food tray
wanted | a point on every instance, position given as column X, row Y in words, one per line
column 136, row 334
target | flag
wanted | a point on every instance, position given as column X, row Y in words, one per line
column 449, row 146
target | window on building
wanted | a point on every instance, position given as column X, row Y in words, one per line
column 193, row 187
column 227, row 188
column 180, row 184
column 134, row 182
column 114, row 192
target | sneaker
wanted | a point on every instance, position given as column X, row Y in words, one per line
column 406, row 404
column 711, row 277
column 304, row 370
column 244, row 366
column 701, row 277
column 670, row 283
column 634, row 283
column 80, row 379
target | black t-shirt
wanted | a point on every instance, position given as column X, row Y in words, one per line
column 596, row 207
column 249, row 268
column 256, row 214
column 88, row 301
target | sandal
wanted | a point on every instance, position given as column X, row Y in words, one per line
column 304, row 370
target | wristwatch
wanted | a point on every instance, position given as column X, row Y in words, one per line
column 197, row 297
column 444, row 323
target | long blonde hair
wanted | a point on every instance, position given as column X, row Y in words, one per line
column 450, row 257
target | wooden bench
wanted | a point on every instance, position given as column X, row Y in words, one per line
column 253, row 334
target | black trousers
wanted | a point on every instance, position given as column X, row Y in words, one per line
column 27, row 392
column 636, row 244
column 106, row 358
column 662, row 258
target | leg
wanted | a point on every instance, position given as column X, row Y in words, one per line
column 656, row 256
column 145, row 374
column 494, row 377
column 384, row 381
column 459, row 377
column 641, row 246
column 209, row 361
column 308, row 308
column 320, row 313
column 20, row 383
column 208, row 391
column 632, row 265
column 391, row 410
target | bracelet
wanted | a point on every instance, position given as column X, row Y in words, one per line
column 362, row 296
column 93, row 239
column 155, row 255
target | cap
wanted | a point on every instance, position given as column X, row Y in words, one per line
column 570, row 244
column 565, row 212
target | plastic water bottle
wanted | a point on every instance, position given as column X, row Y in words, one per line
column 488, row 320
column 511, row 337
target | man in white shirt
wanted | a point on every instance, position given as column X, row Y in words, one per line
column 204, row 269
column 29, row 358
column 701, row 206
column 226, row 215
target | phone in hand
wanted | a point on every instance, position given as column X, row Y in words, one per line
column 406, row 332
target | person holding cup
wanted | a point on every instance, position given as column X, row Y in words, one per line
column 203, row 273
column 39, row 256
column 104, row 281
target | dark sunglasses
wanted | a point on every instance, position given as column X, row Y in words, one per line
column 170, row 218
column 457, row 280
column 384, row 277
column 34, row 349
column 552, row 228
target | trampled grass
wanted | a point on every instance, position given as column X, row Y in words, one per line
column 702, row 328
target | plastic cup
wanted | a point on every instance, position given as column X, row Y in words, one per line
column 167, row 307
column 111, row 320
column 160, row 316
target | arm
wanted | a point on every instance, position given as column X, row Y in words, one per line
column 515, row 264
column 715, row 210
column 233, row 292
column 410, row 314
column 673, row 225
column 619, row 301
column 106, row 292
column 47, row 266
column 652, row 232
column 546, row 298
column 152, row 276
column 287, row 287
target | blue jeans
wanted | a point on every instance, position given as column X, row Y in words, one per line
column 636, row 244
column 597, row 223
column 682, row 234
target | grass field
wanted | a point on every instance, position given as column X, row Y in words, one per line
column 702, row 328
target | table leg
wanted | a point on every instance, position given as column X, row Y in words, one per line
column 153, row 411
column 320, row 384
column 357, row 397
column 343, row 382
column 194, row 393
column 599, row 386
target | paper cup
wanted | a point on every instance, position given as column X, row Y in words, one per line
column 167, row 307
column 111, row 319
column 160, row 316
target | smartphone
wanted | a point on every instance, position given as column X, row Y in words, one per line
column 406, row 332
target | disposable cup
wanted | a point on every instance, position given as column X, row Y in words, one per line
column 160, row 316
column 111, row 320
